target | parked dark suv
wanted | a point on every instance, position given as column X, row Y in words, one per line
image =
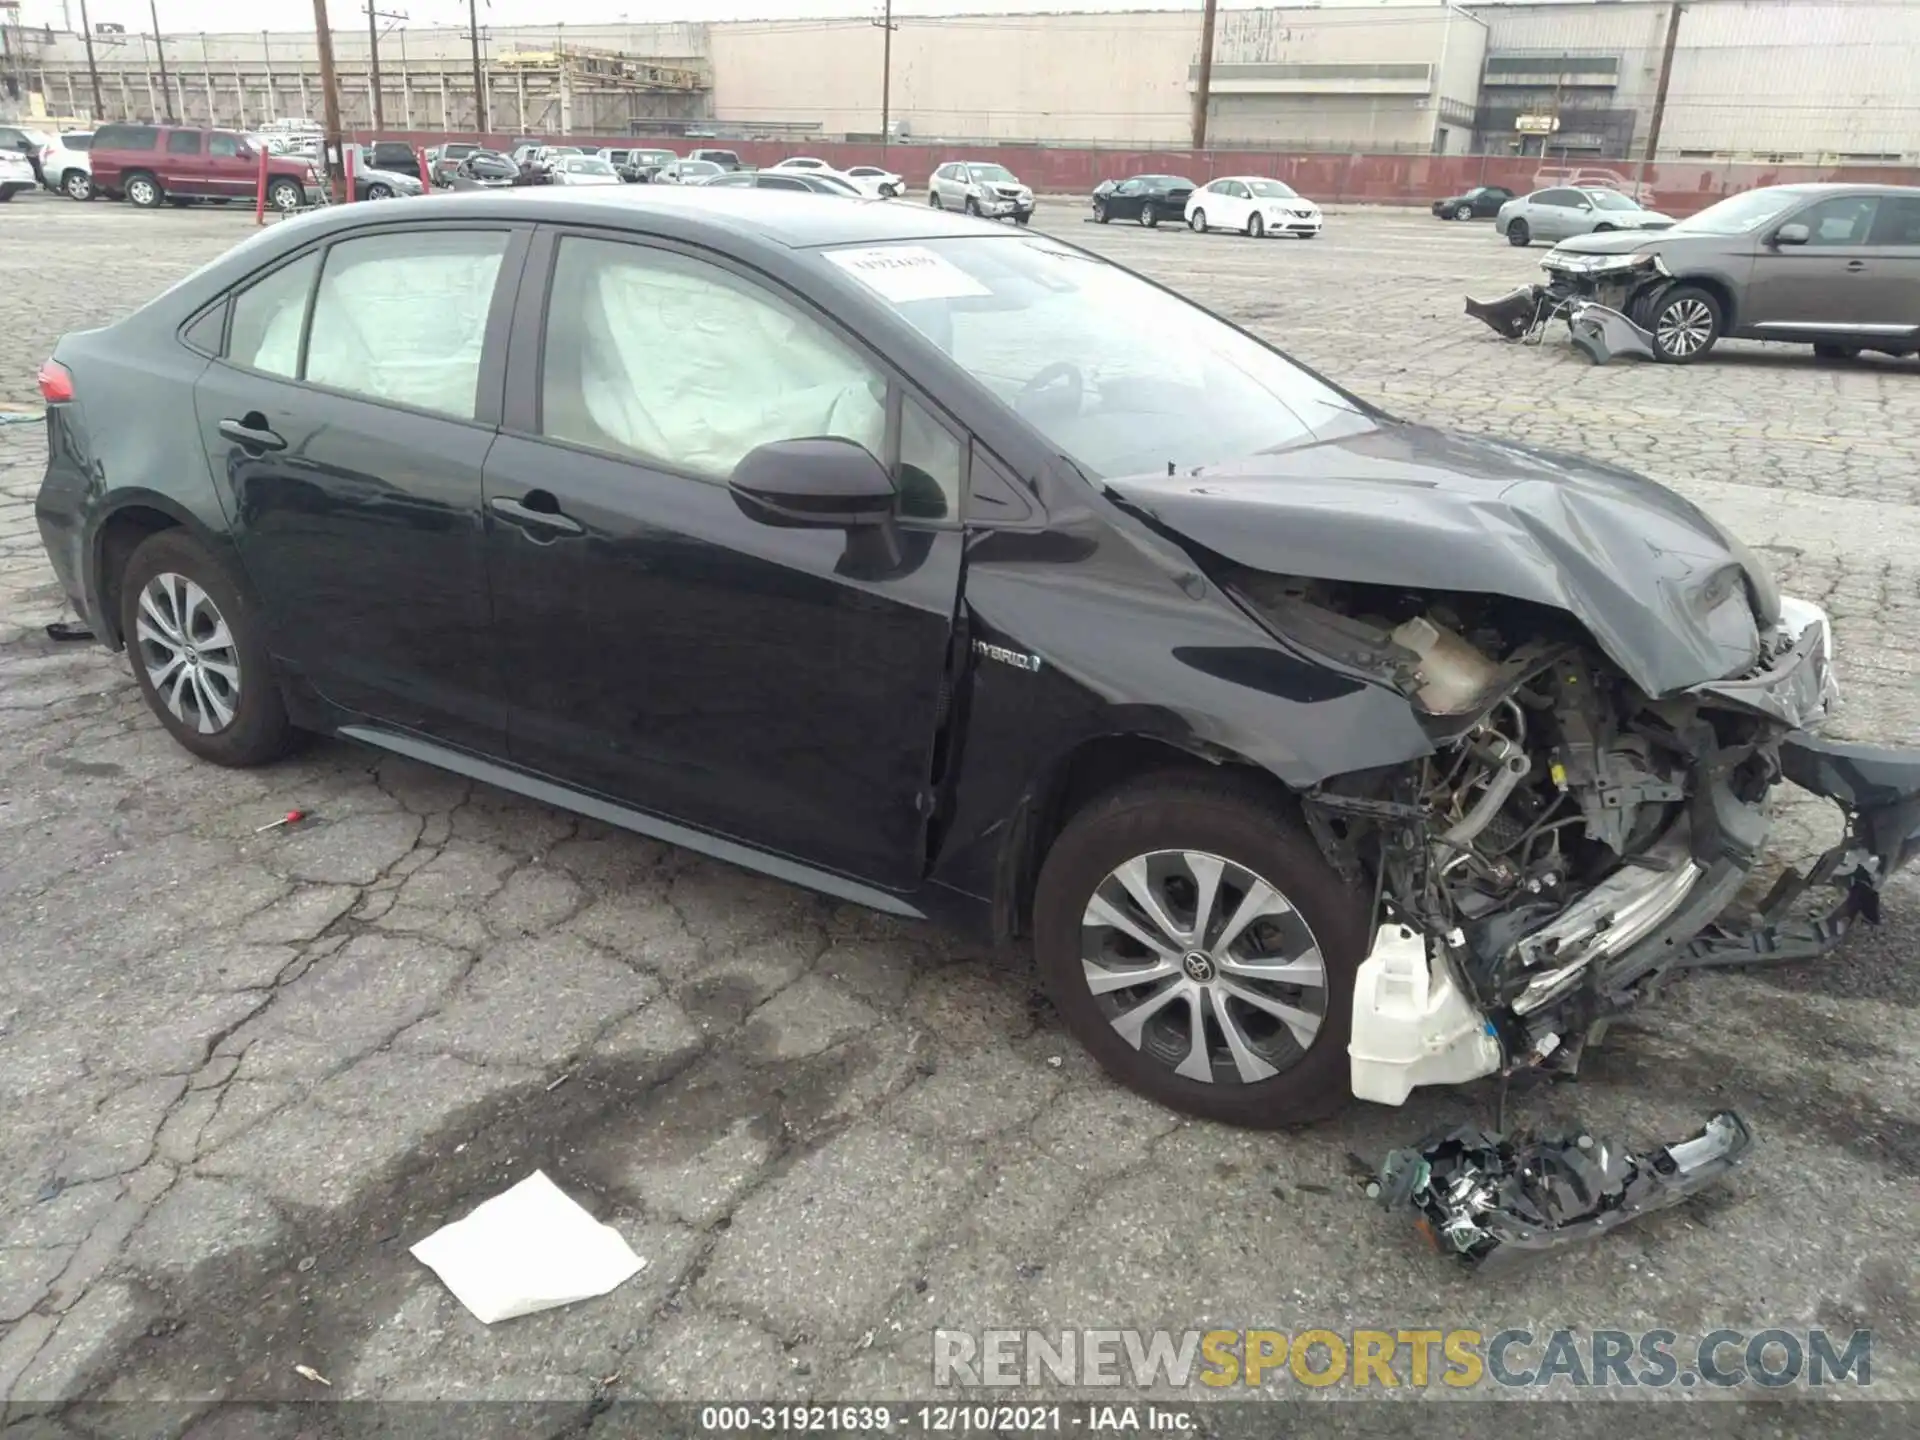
column 1836, row 267
column 149, row 165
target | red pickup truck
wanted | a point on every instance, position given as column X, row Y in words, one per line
column 150, row 164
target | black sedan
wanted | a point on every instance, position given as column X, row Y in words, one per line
column 485, row 170
column 953, row 571
column 1480, row 203
column 1146, row 198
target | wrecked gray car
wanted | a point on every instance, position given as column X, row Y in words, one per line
column 1836, row 267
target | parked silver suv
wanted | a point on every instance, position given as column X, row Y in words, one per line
column 980, row 188
column 1836, row 267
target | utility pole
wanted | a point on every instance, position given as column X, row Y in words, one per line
column 887, row 27
column 93, row 71
column 374, row 16
column 333, row 146
column 1202, row 92
column 1660, row 87
column 479, row 75
column 160, row 50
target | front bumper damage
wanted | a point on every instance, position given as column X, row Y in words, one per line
column 1598, row 331
column 1489, row 1200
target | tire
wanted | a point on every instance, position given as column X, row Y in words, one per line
column 378, row 191
column 933, row 199
column 1256, row 227
column 1519, row 234
column 77, row 185
column 285, row 196
column 7, row 191
column 143, row 190
column 1463, row 212
column 1023, row 217
column 1169, row 817
column 1197, row 222
column 973, row 206
column 255, row 729
column 1603, row 229
column 1149, row 217
column 1100, row 216
column 1685, row 321
column 1836, row 352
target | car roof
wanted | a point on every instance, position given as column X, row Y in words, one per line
column 797, row 220
column 1831, row 187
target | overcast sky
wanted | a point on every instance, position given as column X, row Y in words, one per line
column 191, row 15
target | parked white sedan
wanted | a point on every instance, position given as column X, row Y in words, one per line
column 875, row 181
column 1253, row 205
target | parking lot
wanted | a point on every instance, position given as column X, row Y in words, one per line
column 242, row 1072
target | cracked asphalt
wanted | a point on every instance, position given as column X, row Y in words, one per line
column 241, row 1073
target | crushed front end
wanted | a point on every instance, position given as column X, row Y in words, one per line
column 1573, row 839
column 1596, row 295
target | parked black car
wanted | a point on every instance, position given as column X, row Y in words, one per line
column 1480, row 203
column 1146, row 198
column 485, row 170
column 956, row 572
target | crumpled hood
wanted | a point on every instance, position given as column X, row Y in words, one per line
column 1653, row 580
column 1618, row 242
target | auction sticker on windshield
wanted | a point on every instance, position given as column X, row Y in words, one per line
column 901, row 273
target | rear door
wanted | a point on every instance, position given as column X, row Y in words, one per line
column 1826, row 284
column 1893, row 268
column 347, row 422
column 183, row 166
column 1556, row 214
column 778, row 686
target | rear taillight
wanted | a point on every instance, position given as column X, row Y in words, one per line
column 56, row 383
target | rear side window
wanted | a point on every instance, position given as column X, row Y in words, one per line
column 781, row 182
column 268, row 317
column 183, row 142
column 1898, row 222
column 77, row 142
column 402, row 318
column 127, row 137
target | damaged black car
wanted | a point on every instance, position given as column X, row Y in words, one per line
column 953, row 571
column 1836, row 267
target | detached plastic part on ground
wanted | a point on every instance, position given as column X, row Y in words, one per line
column 1597, row 331
column 1490, row 1200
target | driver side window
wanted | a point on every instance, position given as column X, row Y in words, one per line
column 1843, row 220
column 679, row 362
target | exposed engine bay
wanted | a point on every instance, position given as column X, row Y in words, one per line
column 1571, row 839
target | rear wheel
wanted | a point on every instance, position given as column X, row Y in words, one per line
column 143, row 190
column 378, row 191
column 1519, row 234
column 1198, row 944
column 1197, row 222
column 77, row 185
column 1256, row 227
column 199, row 654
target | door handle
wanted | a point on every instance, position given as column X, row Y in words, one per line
column 252, row 436
column 538, row 510
column 1856, row 265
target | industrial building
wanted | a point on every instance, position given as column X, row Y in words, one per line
column 1780, row 81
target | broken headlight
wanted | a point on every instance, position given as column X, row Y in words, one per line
column 1602, row 264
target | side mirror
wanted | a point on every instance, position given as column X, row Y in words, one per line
column 823, row 483
column 1795, row 234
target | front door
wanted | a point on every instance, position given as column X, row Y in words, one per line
column 770, row 685
column 1824, row 284
column 233, row 170
column 349, row 446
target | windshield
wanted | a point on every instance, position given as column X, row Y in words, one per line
column 1123, row 377
column 699, row 167
column 1271, row 189
column 1738, row 214
column 1167, row 182
column 1611, row 200
column 588, row 167
column 998, row 174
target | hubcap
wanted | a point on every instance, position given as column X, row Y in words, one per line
column 1203, row 966
column 141, row 191
column 189, row 653
column 77, row 186
column 1684, row 327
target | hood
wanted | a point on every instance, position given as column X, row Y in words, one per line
column 1653, row 580
column 1620, row 242
column 388, row 177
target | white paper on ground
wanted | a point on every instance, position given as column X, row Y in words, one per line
column 528, row 1249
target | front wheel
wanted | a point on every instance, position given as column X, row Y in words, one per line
column 1463, row 212
column 1149, row 216
column 379, row 192
column 1100, row 215
column 1197, row 222
column 284, row 196
column 199, row 654
column 973, row 206
column 1519, row 234
column 1256, row 227
column 1685, row 324
column 1197, row 942
column 933, row 199
column 77, row 185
